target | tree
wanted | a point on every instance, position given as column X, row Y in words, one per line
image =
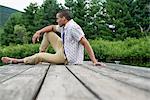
column 1, row 32
column 50, row 8
column 96, row 26
column 29, row 17
column 46, row 14
column 20, row 34
column 126, row 16
column 78, row 9
column 7, row 36
column 141, row 14
column 39, row 17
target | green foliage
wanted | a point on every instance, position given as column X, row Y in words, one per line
column 8, row 37
column 121, row 21
column 33, row 19
column 19, row 32
column 1, row 32
column 129, row 49
column 20, row 51
column 141, row 14
column 129, row 18
column 96, row 18
column 106, row 19
column 51, row 7
column 79, row 10
column 29, row 17
column 45, row 15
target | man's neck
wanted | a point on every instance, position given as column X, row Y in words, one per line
column 66, row 22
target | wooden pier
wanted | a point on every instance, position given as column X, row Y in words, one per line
column 74, row 82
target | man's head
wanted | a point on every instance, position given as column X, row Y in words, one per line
column 63, row 17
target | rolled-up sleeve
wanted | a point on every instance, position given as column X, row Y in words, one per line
column 77, row 33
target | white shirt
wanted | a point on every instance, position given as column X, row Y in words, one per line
column 74, row 50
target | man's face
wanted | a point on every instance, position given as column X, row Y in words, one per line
column 60, row 21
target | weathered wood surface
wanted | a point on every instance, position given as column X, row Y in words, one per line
column 139, row 71
column 74, row 82
column 129, row 77
column 11, row 71
column 60, row 84
column 24, row 83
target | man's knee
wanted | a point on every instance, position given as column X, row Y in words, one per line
column 51, row 33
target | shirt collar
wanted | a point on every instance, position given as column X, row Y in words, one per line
column 68, row 23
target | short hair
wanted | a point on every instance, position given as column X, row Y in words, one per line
column 65, row 13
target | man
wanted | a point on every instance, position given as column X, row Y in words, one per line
column 69, row 48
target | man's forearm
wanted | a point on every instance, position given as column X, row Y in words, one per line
column 90, row 52
column 46, row 29
column 40, row 32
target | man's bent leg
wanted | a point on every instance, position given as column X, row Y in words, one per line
column 53, row 39
column 44, row 44
column 56, row 43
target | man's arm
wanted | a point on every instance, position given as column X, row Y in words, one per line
column 89, row 50
column 40, row 32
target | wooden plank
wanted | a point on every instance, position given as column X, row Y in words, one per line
column 25, row 85
column 131, row 79
column 5, row 68
column 140, row 71
column 60, row 84
column 107, row 88
column 10, row 71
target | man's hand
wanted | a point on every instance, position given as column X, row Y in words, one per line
column 100, row 64
column 36, row 36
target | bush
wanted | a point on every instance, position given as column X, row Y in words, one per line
column 129, row 49
column 20, row 51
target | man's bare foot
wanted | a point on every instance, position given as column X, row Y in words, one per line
column 8, row 60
